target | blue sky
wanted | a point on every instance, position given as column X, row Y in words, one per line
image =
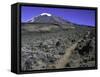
column 79, row 16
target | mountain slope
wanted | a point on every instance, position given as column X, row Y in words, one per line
column 46, row 22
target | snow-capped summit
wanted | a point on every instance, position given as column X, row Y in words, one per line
column 45, row 14
column 48, row 18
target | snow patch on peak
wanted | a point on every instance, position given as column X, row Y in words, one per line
column 45, row 14
column 30, row 20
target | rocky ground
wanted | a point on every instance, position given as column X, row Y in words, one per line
column 69, row 48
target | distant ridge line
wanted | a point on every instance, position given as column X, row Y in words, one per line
column 43, row 23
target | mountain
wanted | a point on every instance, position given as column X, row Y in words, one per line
column 48, row 22
column 49, row 18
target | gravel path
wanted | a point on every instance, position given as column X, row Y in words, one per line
column 65, row 58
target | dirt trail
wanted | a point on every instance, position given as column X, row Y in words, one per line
column 65, row 58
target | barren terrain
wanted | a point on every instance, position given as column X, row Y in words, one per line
column 54, row 47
